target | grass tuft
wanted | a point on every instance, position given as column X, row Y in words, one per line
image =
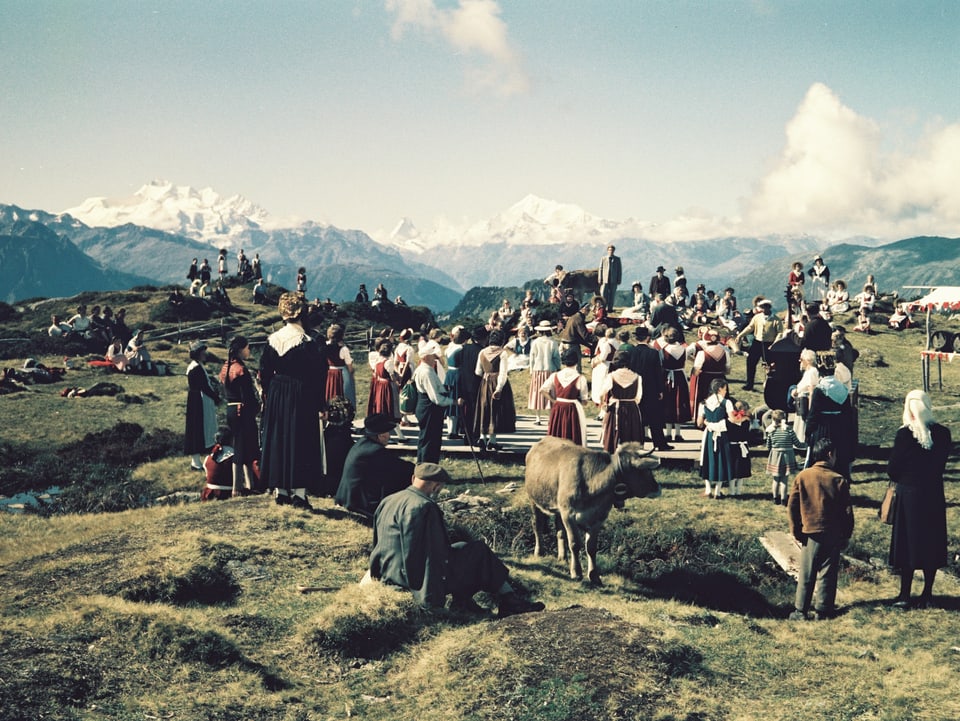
column 367, row 621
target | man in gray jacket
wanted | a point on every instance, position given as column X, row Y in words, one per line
column 411, row 549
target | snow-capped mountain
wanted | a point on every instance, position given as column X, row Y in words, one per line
column 203, row 215
column 531, row 221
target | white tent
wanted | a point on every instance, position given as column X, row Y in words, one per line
column 946, row 297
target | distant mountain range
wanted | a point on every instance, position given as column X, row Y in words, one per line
column 152, row 235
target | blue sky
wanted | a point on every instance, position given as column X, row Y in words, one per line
column 703, row 117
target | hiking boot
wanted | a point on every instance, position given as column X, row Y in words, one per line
column 797, row 616
column 511, row 604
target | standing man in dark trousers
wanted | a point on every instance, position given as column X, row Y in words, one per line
column 821, row 519
column 609, row 276
column 645, row 362
column 432, row 402
column 765, row 328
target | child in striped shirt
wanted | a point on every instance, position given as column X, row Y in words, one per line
column 782, row 461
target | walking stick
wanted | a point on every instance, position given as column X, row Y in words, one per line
column 466, row 434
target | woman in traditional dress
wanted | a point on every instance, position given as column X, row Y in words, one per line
column 716, row 457
column 676, row 391
column 602, row 355
column 116, row 355
column 293, row 377
column 340, row 380
column 838, row 300
column 711, row 362
column 820, row 279
column 544, row 361
column 831, row 416
column 622, row 391
column 567, row 390
column 242, row 407
column 384, row 396
column 452, row 383
column 796, row 278
column 403, row 365
column 201, row 426
column 495, row 409
column 916, row 465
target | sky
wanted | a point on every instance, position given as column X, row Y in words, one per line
column 705, row 118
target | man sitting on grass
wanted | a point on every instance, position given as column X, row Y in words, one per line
column 411, row 550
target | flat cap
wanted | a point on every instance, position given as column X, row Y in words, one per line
column 431, row 472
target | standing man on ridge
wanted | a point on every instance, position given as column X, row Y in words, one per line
column 609, row 276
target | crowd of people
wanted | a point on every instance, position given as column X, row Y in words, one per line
column 645, row 386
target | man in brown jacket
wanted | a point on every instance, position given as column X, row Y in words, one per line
column 821, row 519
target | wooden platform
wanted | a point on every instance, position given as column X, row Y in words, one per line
column 515, row 445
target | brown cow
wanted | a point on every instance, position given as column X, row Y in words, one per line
column 578, row 486
column 581, row 282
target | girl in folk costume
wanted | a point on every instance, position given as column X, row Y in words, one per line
column 716, row 456
column 782, row 444
column 602, row 355
column 201, row 427
column 293, row 378
column 403, row 364
column 544, row 361
column 711, row 361
column 242, row 406
column 495, row 409
column 622, row 391
column 218, row 483
column 738, row 431
column 301, row 280
column 453, row 384
column 598, row 312
column 384, row 398
column 567, row 390
column 340, row 380
column 676, row 392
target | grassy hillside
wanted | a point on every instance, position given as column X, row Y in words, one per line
column 245, row 610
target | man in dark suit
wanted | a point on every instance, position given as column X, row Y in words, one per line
column 645, row 362
column 370, row 471
column 817, row 333
column 609, row 276
column 660, row 283
column 663, row 314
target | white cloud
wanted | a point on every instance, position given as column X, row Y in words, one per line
column 475, row 29
column 832, row 178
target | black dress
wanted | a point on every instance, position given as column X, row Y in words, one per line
column 830, row 419
column 293, row 375
column 919, row 537
column 201, row 425
column 242, row 407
